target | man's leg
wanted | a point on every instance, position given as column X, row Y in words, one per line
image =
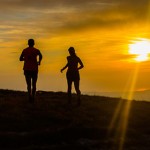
column 28, row 82
column 34, row 80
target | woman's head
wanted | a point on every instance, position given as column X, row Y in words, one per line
column 72, row 51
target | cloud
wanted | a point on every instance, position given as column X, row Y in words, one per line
column 48, row 17
column 123, row 57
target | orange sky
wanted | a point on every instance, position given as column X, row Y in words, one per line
column 100, row 30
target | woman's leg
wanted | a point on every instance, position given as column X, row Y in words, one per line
column 69, row 90
column 76, row 84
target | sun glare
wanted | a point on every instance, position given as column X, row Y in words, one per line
column 141, row 49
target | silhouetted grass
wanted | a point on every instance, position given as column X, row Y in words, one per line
column 50, row 123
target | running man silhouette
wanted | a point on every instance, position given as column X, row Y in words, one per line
column 29, row 56
column 72, row 74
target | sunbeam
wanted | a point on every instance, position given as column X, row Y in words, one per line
column 119, row 123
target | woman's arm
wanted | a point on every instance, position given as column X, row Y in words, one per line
column 64, row 68
column 81, row 64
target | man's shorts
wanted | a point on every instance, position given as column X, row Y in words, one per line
column 31, row 74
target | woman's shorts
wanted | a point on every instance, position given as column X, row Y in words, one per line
column 73, row 75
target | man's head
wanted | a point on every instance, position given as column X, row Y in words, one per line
column 31, row 42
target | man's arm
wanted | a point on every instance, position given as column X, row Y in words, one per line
column 21, row 57
column 40, row 58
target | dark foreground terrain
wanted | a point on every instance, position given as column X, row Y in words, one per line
column 100, row 123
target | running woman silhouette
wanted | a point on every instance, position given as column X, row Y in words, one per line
column 29, row 56
column 72, row 74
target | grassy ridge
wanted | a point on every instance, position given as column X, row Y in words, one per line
column 51, row 124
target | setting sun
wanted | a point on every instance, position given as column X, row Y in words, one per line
column 140, row 49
